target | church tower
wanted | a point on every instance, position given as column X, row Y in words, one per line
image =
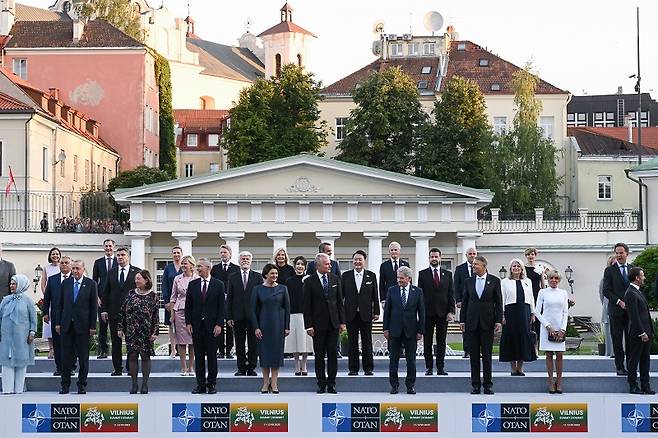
column 285, row 43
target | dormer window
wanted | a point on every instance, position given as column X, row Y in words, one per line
column 426, row 69
column 495, row 87
column 192, row 140
column 428, row 49
column 423, row 85
column 461, row 47
column 396, row 49
column 484, row 62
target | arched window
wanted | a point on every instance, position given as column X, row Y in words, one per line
column 278, row 65
column 299, row 59
column 66, row 7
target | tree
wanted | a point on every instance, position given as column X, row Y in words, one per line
column 522, row 172
column 276, row 118
column 385, row 130
column 456, row 141
column 137, row 177
column 120, row 13
column 167, row 136
column 648, row 261
column 97, row 205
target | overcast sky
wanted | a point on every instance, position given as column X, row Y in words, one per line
column 584, row 46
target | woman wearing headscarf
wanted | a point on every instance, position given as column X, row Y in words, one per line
column 18, row 324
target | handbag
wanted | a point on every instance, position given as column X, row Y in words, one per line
column 556, row 336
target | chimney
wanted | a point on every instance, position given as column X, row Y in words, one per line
column 78, row 30
column 54, row 92
column 627, row 122
column 7, row 16
column 620, row 90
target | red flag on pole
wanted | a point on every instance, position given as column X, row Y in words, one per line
column 10, row 182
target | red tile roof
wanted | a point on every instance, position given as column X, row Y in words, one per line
column 194, row 120
column 592, row 141
column 96, row 33
column 285, row 26
column 9, row 104
column 649, row 135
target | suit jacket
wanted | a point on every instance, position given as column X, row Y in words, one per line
column 638, row 313
column 366, row 300
column 614, row 287
column 218, row 272
column 323, row 312
column 115, row 294
column 7, row 270
column 482, row 313
column 310, row 268
column 388, row 278
column 461, row 274
column 439, row 301
column 52, row 295
column 238, row 300
column 99, row 273
column 80, row 313
column 410, row 319
column 206, row 313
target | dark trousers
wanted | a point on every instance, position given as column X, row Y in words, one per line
column 102, row 334
column 354, row 328
column 619, row 334
column 57, row 350
column 324, row 345
column 481, row 341
column 639, row 355
column 439, row 325
column 75, row 344
column 226, row 340
column 205, row 347
column 116, row 346
column 394, row 344
column 246, row 359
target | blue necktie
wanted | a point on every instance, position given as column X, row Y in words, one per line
column 404, row 297
column 76, row 290
column 325, row 285
column 479, row 287
column 624, row 274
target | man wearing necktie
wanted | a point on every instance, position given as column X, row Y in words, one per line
column 481, row 316
column 324, row 316
column 438, row 294
column 102, row 267
column 51, row 297
column 75, row 322
column 462, row 272
column 222, row 271
column 388, row 270
column 404, row 322
column 615, row 284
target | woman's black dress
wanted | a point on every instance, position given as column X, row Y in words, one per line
column 516, row 341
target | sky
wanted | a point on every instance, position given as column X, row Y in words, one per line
column 584, row 46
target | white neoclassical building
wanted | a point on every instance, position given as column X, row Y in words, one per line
column 298, row 202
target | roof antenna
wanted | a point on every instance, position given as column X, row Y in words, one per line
column 189, row 8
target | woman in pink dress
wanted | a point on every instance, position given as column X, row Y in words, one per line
column 178, row 293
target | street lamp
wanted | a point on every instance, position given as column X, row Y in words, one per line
column 568, row 274
column 38, row 271
column 503, row 272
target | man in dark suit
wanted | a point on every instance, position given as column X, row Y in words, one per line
column 102, row 266
column 324, row 316
column 462, row 272
column 361, row 309
column 7, row 270
column 404, row 320
column 325, row 248
column 481, row 316
column 388, row 270
column 640, row 333
column 438, row 294
column 238, row 314
column 204, row 317
column 221, row 271
column 75, row 322
column 615, row 284
column 51, row 298
column 120, row 281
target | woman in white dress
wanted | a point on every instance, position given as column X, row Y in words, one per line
column 51, row 268
column 553, row 314
column 299, row 343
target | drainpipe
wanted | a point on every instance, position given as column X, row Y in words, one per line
column 25, row 177
column 641, row 218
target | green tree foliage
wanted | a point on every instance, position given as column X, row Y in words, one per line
column 96, row 205
column 648, row 261
column 522, row 161
column 386, row 128
column 456, row 142
column 120, row 13
column 137, row 177
column 276, row 118
column 167, row 136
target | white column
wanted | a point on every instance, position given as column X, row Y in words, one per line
column 422, row 239
column 185, row 241
column 138, row 247
column 279, row 239
column 465, row 240
column 233, row 240
column 375, row 239
column 328, row 237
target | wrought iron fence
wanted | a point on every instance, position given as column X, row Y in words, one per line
column 582, row 220
column 64, row 212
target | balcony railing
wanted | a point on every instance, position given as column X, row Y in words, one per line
column 65, row 212
column 581, row 220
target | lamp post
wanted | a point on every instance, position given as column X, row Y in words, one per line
column 502, row 273
column 38, row 271
column 568, row 274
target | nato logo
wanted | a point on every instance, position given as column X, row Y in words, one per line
column 639, row 417
column 35, row 418
column 200, row 417
column 486, row 417
column 336, row 417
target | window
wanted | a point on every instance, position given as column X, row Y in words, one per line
column 104, row 182
column 413, row 48
column 644, row 118
column 20, row 68
column 604, row 188
column 604, row 120
column 192, row 140
column 428, row 48
column 500, row 125
column 426, row 69
column 423, row 85
column 213, row 140
column 396, row 49
column 109, row 175
column 576, row 119
column 484, row 62
column 98, row 176
column 189, row 170
column 87, row 165
column 214, row 167
column 461, row 47
column 495, row 87
column 340, row 128
column 75, row 167
column 61, row 164
column 44, row 164
column 277, row 70
column 66, row 7
column 299, row 59
column 2, row 157
column 546, row 123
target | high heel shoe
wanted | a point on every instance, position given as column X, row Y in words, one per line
column 133, row 389
column 274, row 391
column 551, row 387
column 145, row 388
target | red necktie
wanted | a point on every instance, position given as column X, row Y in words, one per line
column 436, row 277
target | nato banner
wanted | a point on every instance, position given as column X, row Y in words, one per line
column 380, row 417
column 80, row 417
column 639, row 417
column 529, row 417
column 229, row 417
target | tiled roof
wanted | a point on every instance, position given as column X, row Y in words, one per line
column 30, row 13
column 227, row 61
column 9, row 104
column 200, row 120
column 4, row 39
column 412, row 66
column 649, row 135
column 285, row 26
column 97, row 33
column 592, row 142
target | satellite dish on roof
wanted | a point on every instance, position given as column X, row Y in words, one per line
column 433, row 21
column 378, row 27
column 377, row 47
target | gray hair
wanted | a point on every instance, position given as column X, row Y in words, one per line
column 65, row 257
column 481, row 259
column 205, row 262
column 79, row 262
column 394, row 244
column 246, row 254
column 406, row 271
column 319, row 256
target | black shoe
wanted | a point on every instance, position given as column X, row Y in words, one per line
column 331, row 389
column 411, row 390
column 489, row 391
column 211, row 389
column 304, row 373
column 648, row 391
column 116, row 373
column 72, row 372
column 64, row 390
column 229, row 356
column 321, row 389
column 441, row 372
column 145, row 388
column 133, row 389
column 475, row 390
column 429, row 372
column 622, row 372
column 82, row 389
column 394, row 389
column 369, row 373
column 57, row 373
column 102, row 355
column 298, row 373
column 240, row 373
column 199, row 390
column 353, row 373
column 220, row 356
column 466, row 356
column 635, row 390
column 252, row 373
